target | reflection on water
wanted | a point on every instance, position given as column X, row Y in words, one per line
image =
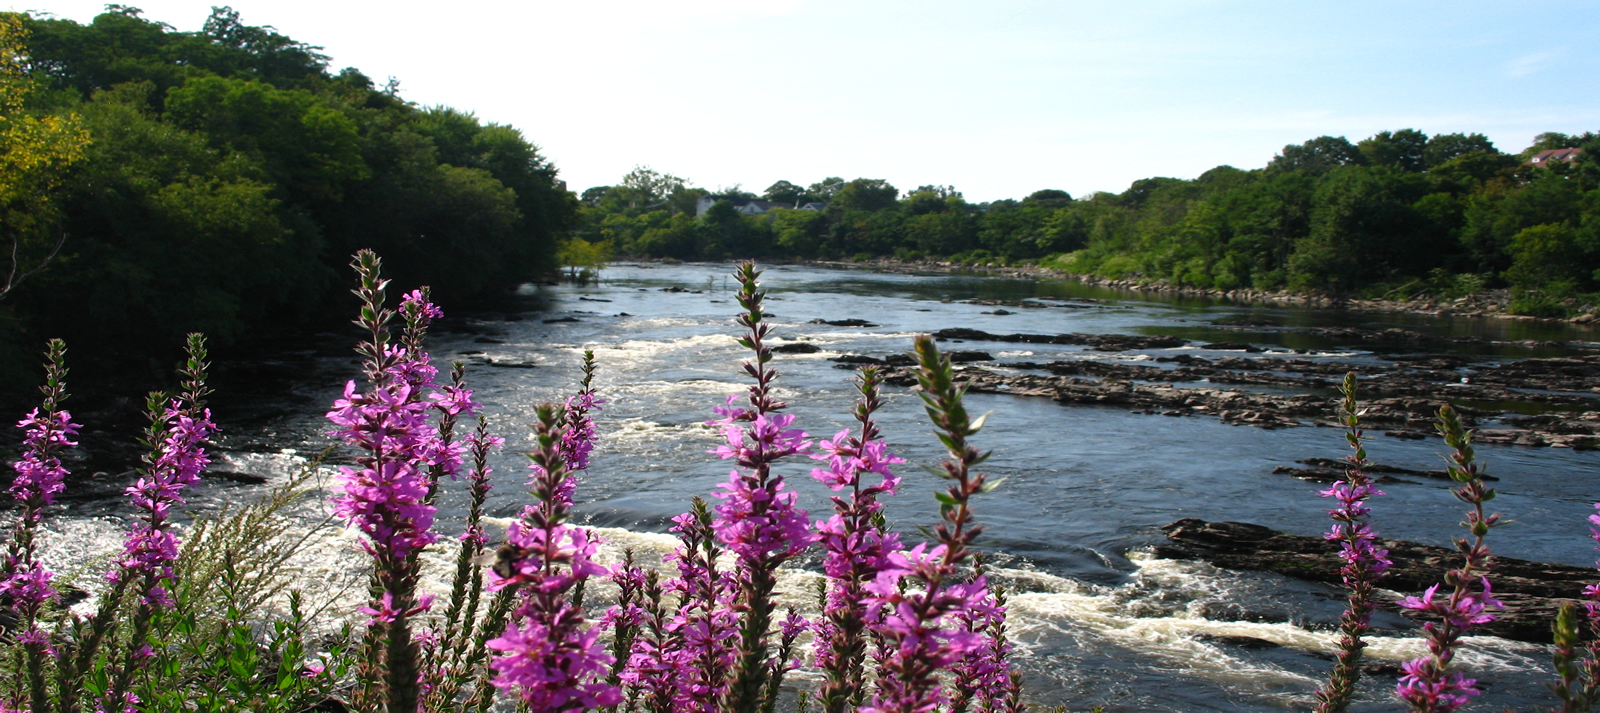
column 1087, row 487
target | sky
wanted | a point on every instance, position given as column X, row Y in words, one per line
column 998, row 98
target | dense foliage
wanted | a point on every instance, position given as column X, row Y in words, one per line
column 229, row 172
column 1448, row 213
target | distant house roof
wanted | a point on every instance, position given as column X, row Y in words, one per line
column 748, row 206
column 1544, row 157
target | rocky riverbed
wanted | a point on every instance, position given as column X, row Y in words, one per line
column 1540, row 402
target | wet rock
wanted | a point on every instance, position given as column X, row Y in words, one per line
column 1232, row 347
column 1101, row 342
column 1242, row 642
column 236, row 476
column 1380, row 468
column 562, row 320
column 1395, row 335
column 962, row 356
column 1406, row 435
column 1261, row 419
column 796, row 348
column 676, row 288
column 1561, row 374
column 1531, row 591
column 593, row 299
column 843, row 322
column 851, row 359
column 1247, row 322
column 1402, row 398
column 1325, row 475
column 507, row 364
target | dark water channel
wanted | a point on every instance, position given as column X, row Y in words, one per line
column 1087, row 488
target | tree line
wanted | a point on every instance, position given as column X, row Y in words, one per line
column 227, row 175
column 1400, row 212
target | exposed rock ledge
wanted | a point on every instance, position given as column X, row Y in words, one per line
column 1531, row 591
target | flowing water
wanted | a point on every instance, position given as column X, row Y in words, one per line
column 1097, row 620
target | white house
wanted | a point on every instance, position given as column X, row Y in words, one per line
column 749, row 206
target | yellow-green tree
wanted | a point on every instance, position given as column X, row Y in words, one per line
column 34, row 153
column 582, row 254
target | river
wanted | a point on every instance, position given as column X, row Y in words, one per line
column 1097, row 620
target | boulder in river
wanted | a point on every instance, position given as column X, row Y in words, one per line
column 796, row 348
column 1531, row 591
column 1232, row 347
column 843, row 322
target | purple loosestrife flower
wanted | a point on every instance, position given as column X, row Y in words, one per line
column 150, row 546
column 24, row 581
column 920, row 623
column 856, row 547
column 1428, row 685
column 650, row 671
column 40, row 475
column 177, row 436
column 548, row 656
column 385, row 497
column 984, row 676
column 577, row 436
column 388, row 494
column 698, row 641
column 757, row 520
column 1578, row 677
column 577, row 441
column 1364, row 561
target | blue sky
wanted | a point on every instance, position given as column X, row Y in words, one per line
column 996, row 98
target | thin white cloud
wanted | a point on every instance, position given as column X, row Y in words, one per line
column 1530, row 63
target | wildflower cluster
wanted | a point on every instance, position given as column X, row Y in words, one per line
column 983, row 677
column 1578, row 682
column 757, row 520
column 143, row 575
column 547, row 656
column 178, row 433
column 1428, row 686
column 388, row 494
column 1364, row 561
column 915, row 602
column 856, row 546
column 24, row 581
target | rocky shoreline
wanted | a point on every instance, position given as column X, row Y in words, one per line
column 1532, row 592
column 1488, row 304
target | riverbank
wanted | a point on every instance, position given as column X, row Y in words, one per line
column 1486, row 304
